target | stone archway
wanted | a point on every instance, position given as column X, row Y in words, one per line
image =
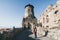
column 29, row 26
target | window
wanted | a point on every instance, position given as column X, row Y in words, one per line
column 56, row 11
column 56, row 5
column 46, row 10
column 47, row 20
column 47, row 26
column 40, row 24
column 47, row 15
column 28, row 10
column 54, row 21
column 23, row 19
column 59, row 20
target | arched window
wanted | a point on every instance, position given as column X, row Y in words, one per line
column 28, row 10
column 56, row 11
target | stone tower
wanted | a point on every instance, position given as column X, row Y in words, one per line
column 29, row 17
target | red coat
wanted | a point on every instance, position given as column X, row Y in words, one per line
column 34, row 30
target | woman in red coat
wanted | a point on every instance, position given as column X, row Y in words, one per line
column 35, row 31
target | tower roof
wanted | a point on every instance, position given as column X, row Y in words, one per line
column 29, row 6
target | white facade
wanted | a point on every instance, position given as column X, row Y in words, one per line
column 27, row 11
column 50, row 20
column 50, row 16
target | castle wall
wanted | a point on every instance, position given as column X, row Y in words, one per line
column 50, row 20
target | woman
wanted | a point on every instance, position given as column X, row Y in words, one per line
column 35, row 31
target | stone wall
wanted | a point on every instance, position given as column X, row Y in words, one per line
column 50, row 20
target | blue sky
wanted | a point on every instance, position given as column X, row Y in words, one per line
column 12, row 11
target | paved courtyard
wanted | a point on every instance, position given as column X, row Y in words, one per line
column 27, row 35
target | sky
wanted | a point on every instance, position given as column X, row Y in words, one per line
column 12, row 11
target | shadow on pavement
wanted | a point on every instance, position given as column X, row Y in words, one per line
column 24, row 35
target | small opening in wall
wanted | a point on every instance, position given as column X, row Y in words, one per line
column 56, row 11
column 59, row 20
column 47, row 26
column 54, row 21
column 47, row 15
column 46, row 10
column 53, row 8
column 40, row 24
column 56, row 5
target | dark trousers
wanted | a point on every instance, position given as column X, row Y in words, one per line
column 46, row 33
column 35, row 35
